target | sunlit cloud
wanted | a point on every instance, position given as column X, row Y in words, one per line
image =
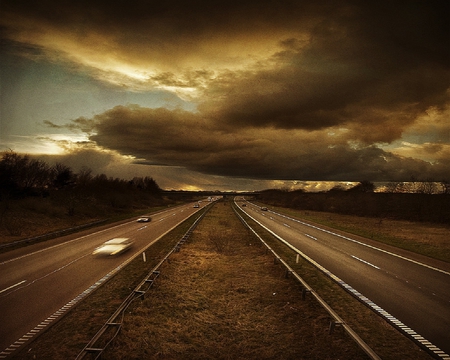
column 279, row 95
column 43, row 143
column 161, row 136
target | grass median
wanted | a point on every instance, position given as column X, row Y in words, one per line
column 223, row 297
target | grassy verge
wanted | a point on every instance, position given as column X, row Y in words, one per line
column 422, row 238
column 221, row 297
column 35, row 216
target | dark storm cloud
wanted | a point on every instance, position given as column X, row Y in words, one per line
column 180, row 138
column 285, row 90
column 365, row 65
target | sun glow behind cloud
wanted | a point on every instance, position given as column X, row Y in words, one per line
column 60, row 143
column 127, row 63
column 51, row 144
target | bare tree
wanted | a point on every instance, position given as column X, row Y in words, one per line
column 84, row 176
column 36, row 174
column 63, row 175
column 20, row 173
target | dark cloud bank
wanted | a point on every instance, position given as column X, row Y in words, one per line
column 180, row 138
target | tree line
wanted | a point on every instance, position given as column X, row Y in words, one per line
column 425, row 204
column 22, row 176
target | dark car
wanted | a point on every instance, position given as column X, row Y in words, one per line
column 264, row 209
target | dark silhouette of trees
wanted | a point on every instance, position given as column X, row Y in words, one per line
column 146, row 184
column 63, row 176
column 22, row 176
column 364, row 186
column 84, row 176
column 424, row 204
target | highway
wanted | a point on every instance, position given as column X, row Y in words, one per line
column 414, row 289
column 38, row 280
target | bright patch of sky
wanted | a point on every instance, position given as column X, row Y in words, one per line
column 43, row 91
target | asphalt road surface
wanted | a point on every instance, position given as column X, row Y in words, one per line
column 37, row 281
column 414, row 289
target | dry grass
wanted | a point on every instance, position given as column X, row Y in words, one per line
column 423, row 238
column 31, row 217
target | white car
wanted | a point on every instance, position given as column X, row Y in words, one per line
column 144, row 219
column 113, row 247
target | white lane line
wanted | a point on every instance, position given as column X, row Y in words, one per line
column 77, row 239
column 286, row 225
column 38, row 328
column 311, row 237
column 397, row 323
column 62, row 244
column 365, row 262
column 50, row 273
column 13, row 286
column 364, row 244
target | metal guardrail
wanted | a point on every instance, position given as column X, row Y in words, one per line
column 336, row 319
column 111, row 328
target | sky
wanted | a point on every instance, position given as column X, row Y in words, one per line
column 230, row 95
